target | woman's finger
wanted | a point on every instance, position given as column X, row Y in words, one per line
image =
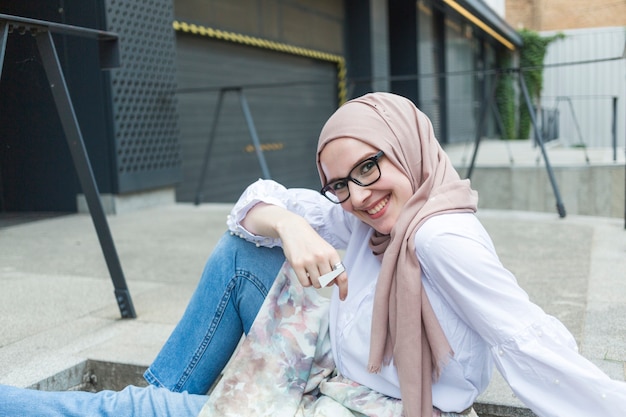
column 342, row 283
column 303, row 275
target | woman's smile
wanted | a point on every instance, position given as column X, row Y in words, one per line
column 378, row 209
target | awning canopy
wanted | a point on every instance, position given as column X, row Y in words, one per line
column 483, row 16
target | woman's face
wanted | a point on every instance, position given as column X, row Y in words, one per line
column 378, row 204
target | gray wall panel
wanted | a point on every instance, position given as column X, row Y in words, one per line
column 590, row 87
column 290, row 98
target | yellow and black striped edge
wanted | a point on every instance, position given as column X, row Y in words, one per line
column 338, row 60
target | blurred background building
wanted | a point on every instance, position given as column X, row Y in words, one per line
column 147, row 123
column 203, row 86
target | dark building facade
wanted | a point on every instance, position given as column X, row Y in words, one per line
column 212, row 95
column 128, row 116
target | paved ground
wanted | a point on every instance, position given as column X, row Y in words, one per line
column 57, row 306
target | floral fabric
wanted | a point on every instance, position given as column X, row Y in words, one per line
column 285, row 368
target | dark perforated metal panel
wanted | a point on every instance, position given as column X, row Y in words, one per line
column 142, row 93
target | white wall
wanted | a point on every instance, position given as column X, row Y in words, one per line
column 589, row 86
column 498, row 6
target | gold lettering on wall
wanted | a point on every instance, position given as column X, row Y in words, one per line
column 266, row 147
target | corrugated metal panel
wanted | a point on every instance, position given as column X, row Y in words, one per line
column 288, row 115
column 430, row 95
column 461, row 98
column 590, row 87
column 379, row 45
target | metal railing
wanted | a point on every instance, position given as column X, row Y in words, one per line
column 109, row 58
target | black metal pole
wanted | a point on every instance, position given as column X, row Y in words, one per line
column 614, row 129
column 76, row 144
column 581, row 142
column 559, row 204
column 486, row 105
column 207, row 152
column 251, row 129
column 253, row 135
column 4, row 32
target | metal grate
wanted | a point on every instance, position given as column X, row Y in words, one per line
column 142, row 92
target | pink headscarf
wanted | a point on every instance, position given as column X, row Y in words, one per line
column 394, row 125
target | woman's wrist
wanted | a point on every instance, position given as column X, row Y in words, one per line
column 287, row 222
column 269, row 220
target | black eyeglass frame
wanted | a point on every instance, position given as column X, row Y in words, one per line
column 328, row 189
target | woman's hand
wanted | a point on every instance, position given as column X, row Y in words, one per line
column 309, row 255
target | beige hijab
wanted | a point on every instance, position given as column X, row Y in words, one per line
column 394, row 125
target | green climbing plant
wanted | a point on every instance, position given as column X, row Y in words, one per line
column 515, row 117
column 531, row 59
column 505, row 97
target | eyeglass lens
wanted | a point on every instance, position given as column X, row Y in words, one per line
column 364, row 174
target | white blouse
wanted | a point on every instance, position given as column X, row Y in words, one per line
column 487, row 318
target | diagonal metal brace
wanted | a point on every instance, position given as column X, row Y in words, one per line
column 76, row 144
column 251, row 129
column 109, row 55
column 108, row 48
column 41, row 30
column 560, row 207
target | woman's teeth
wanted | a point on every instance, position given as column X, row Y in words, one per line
column 378, row 207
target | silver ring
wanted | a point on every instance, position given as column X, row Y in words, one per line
column 337, row 266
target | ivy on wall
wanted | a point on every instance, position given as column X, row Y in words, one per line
column 505, row 97
column 531, row 56
column 531, row 63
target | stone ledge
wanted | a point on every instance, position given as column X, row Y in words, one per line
column 125, row 203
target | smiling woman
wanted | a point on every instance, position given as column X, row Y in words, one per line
column 421, row 314
column 430, row 309
column 398, row 203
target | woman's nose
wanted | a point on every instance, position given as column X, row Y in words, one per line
column 358, row 194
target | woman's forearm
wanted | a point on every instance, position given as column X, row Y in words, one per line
column 309, row 255
column 269, row 220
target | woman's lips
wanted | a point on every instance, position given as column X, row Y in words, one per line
column 378, row 207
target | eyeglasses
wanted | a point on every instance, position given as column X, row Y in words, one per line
column 365, row 173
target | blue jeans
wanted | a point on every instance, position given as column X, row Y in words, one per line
column 232, row 289
column 230, row 293
column 131, row 401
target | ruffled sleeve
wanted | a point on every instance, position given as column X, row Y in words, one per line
column 329, row 220
column 534, row 352
column 544, row 369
